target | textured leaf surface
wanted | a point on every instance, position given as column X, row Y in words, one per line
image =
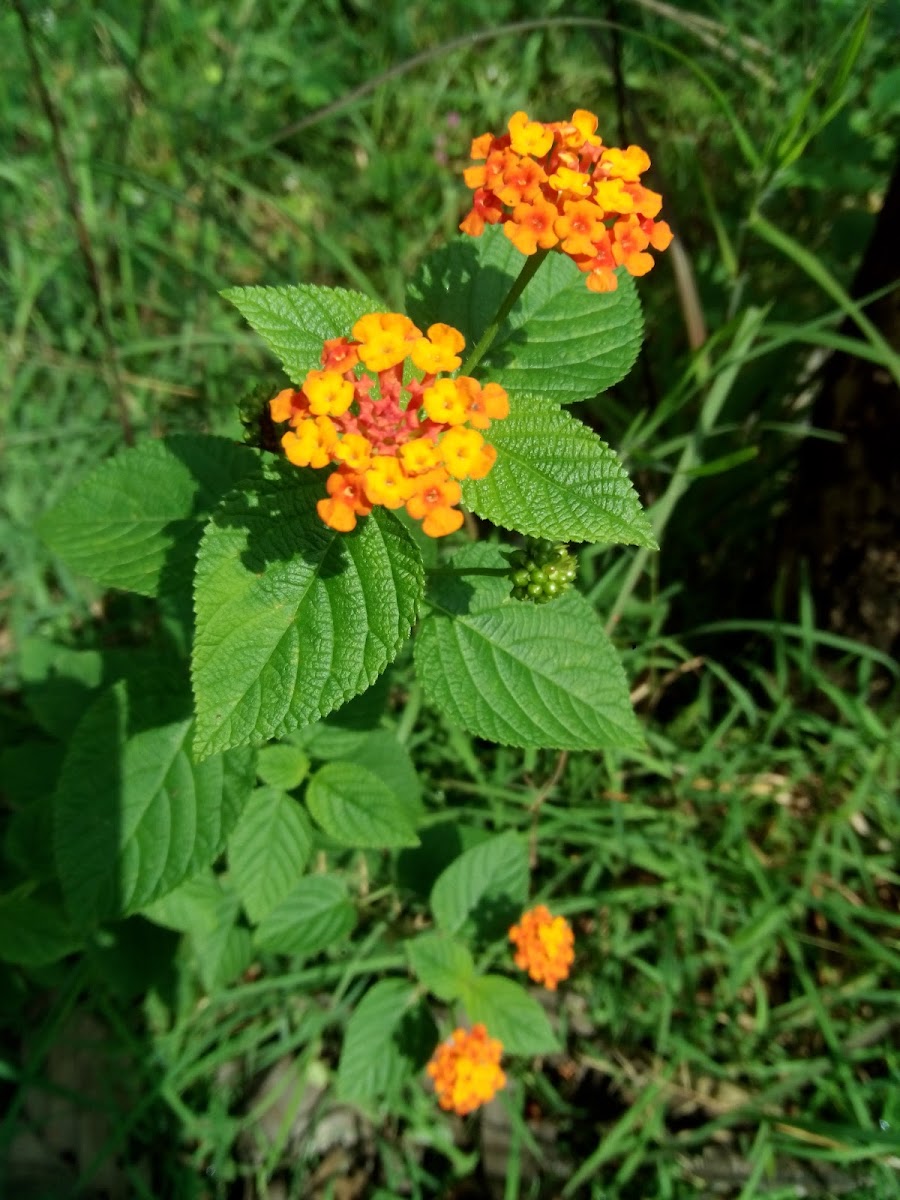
column 555, row 478
column 528, row 675
column 488, row 884
column 317, row 914
column 136, row 521
column 510, row 1014
column 382, row 754
column 358, row 809
column 192, row 907
column 134, row 814
column 268, row 851
column 292, row 618
column 371, row 1064
column 441, row 964
column 561, row 341
column 295, row 321
column 284, row 767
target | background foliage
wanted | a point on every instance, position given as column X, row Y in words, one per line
column 730, row 1028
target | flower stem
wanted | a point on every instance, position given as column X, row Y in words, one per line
column 524, row 277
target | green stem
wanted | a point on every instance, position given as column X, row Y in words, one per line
column 461, row 571
column 523, row 279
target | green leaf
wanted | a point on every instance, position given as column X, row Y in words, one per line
column 485, row 887
column 358, row 809
column 268, row 851
column 58, row 682
column 225, row 949
column 381, row 753
column 441, row 964
column 135, row 523
column 509, row 1013
column 29, row 772
column 193, row 907
column 295, row 321
column 555, row 478
column 476, row 578
column 315, row 916
column 342, row 731
column 33, row 930
column 542, row 675
column 293, row 618
column 560, row 340
column 134, row 814
column 283, row 767
column 371, row 1064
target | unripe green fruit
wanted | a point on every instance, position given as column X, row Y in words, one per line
column 541, row 570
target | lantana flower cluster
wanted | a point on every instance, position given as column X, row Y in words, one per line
column 557, row 185
column 466, row 1067
column 466, row 1070
column 545, row 946
column 395, row 443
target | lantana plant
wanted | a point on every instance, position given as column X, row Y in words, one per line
column 411, row 475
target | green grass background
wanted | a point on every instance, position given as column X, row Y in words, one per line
column 731, row 1025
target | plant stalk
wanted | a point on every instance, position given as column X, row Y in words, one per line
column 529, row 269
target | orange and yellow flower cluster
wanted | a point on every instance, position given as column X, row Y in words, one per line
column 545, row 946
column 466, row 1070
column 558, row 185
column 396, row 444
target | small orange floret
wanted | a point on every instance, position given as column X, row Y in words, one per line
column 532, row 226
column 579, row 226
column 529, row 137
column 385, row 339
column 481, row 146
column 386, row 481
column 486, row 404
column 432, row 501
column 576, row 183
column 521, row 180
column 438, row 350
column 545, row 946
column 339, row 354
column 660, row 235
column 627, row 164
column 346, row 500
column 354, row 450
column 466, row 1070
column 461, row 451
column 445, row 402
column 328, row 392
column 419, row 455
column 282, row 407
column 310, row 445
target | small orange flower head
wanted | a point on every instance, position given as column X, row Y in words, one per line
column 466, row 1070
column 389, row 438
column 545, row 946
column 557, row 186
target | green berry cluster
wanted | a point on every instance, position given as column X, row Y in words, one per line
column 541, row 570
